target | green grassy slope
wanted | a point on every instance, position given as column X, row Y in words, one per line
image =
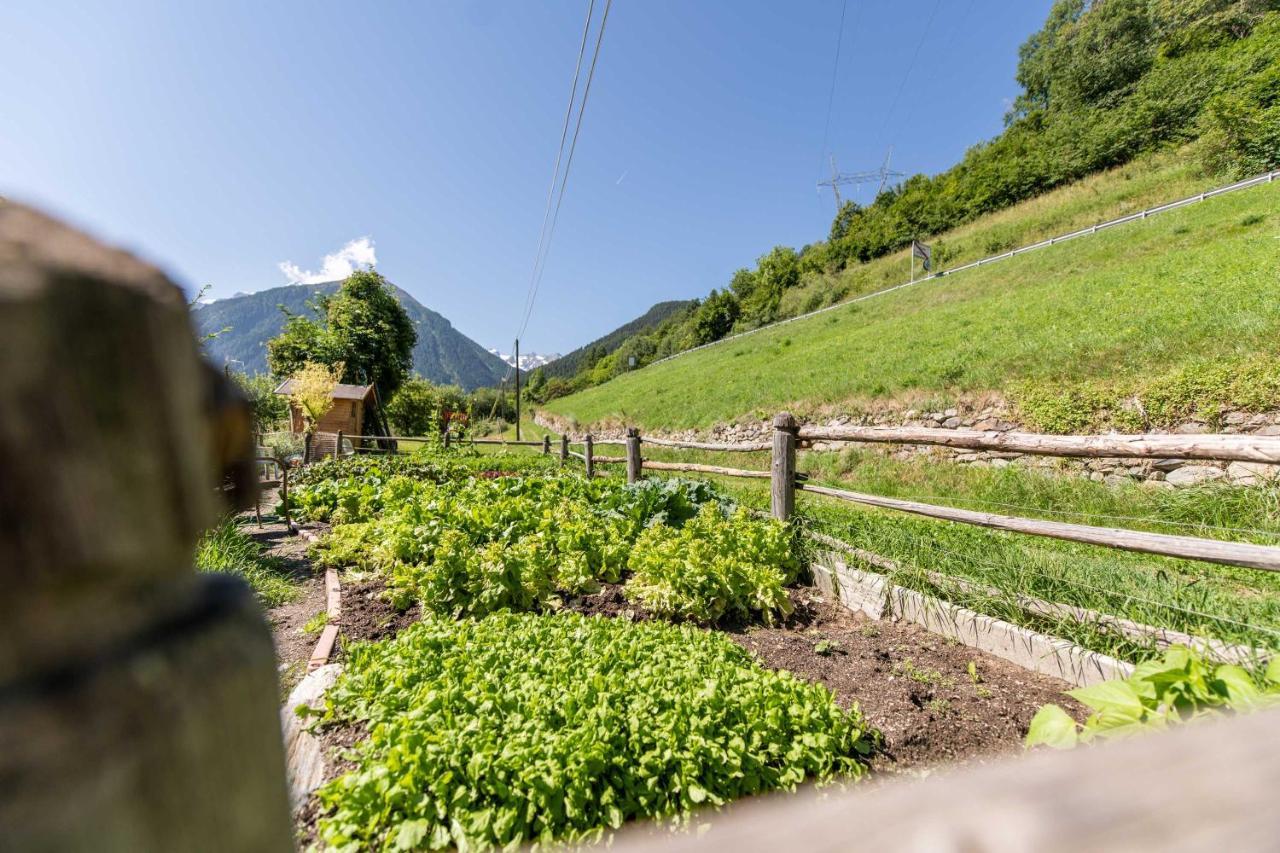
column 1142, row 299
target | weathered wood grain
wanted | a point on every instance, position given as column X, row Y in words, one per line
column 741, row 447
column 1265, row 557
column 1226, row 448
column 704, row 469
column 782, row 497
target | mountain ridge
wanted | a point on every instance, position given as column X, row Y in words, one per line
column 441, row 354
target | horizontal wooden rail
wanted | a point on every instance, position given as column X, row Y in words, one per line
column 608, row 460
column 1185, row 547
column 703, row 469
column 581, row 456
column 742, row 447
column 1161, row 637
column 1227, row 448
column 500, row 441
column 617, row 441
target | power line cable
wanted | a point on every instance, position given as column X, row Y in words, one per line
column 915, row 103
column 893, row 106
column 564, row 181
column 831, row 94
column 555, row 173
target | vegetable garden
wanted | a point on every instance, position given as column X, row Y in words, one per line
column 501, row 713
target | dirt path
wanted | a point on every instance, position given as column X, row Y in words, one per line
column 294, row 643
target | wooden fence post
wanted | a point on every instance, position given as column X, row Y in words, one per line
column 783, row 498
column 306, row 448
column 588, row 444
column 140, row 706
column 633, row 455
column 546, row 445
column 448, row 434
column 564, row 448
column 337, row 446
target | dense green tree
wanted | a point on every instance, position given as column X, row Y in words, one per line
column 362, row 326
column 715, row 317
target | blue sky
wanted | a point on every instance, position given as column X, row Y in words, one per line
column 221, row 140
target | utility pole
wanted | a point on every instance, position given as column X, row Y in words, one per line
column 517, row 389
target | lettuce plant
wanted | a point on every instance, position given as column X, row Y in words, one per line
column 518, row 728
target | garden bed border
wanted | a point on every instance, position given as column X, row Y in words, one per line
column 876, row 596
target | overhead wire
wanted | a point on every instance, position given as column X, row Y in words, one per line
column 564, row 179
column 831, row 94
column 555, row 173
column 893, row 105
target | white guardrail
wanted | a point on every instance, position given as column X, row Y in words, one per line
column 1267, row 178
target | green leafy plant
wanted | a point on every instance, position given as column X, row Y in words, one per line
column 1180, row 687
column 519, row 728
column 714, row 567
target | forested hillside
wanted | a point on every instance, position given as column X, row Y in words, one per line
column 587, row 356
column 442, row 353
column 1103, row 84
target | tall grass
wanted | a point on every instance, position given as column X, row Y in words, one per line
column 229, row 550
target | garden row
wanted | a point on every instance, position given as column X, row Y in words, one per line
column 503, row 716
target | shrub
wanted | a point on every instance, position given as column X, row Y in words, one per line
column 519, row 728
column 715, row 567
column 1179, row 688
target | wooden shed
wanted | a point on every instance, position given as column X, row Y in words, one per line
column 346, row 415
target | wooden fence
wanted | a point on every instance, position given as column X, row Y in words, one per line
column 788, row 434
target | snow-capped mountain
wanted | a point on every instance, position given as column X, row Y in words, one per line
column 528, row 360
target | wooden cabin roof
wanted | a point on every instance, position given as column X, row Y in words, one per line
column 340, row 392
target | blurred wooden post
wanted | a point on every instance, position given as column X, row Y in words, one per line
column 588, row 444
column 138, row 698
column 564, row 448
column 337, row 446
column 306, row 447
column 546, row 445
column 633, row 455
column 783, row 497
column 448, row 435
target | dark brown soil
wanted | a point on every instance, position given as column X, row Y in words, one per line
column 367, row 615
column 609, row 601
column 916, row 687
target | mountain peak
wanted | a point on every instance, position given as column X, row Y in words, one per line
column 442, row 354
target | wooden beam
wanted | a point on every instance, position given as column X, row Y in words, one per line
column 704, row 469
column 741, row 447
column 782, row 497
column 1184, row 547
column 633, row 455
column 1225, row 448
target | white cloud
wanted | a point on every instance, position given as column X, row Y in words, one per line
column 357, row 254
